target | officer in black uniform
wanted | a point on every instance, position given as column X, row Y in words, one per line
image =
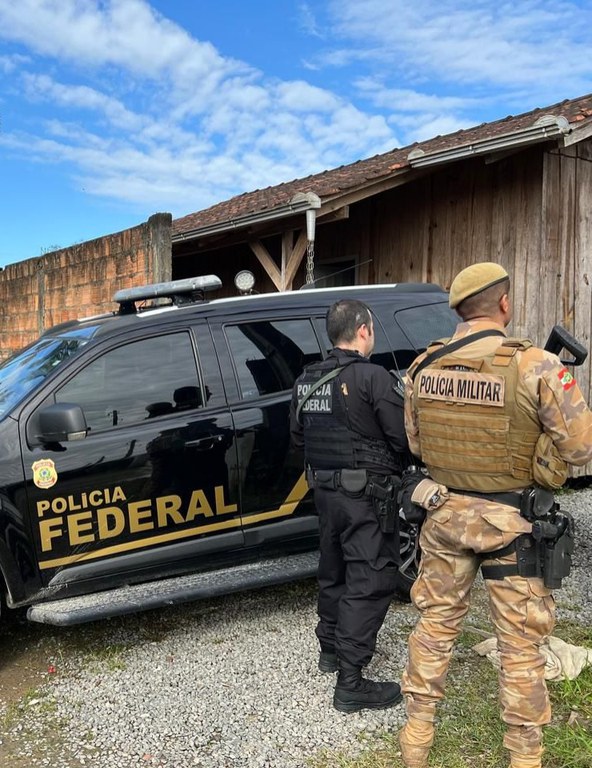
column 347, row 414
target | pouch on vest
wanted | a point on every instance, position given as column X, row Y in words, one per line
column 548, row 468
column 353, row 480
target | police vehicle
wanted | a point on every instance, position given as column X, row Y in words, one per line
column 145, row 457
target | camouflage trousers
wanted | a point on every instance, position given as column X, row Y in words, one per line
column 522, row 611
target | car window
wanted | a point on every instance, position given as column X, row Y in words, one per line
column 428, row 323
column 26, row 370
column 268, row 356
column 421, row 325
column 214, row 395
column 136, row 381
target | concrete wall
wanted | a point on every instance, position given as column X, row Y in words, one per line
column 80, row 281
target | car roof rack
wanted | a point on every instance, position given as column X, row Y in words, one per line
column 187, row 291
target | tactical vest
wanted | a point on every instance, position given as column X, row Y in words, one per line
column 329, row 440
column 473, row 435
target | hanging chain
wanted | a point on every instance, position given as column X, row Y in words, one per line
column 310, row 263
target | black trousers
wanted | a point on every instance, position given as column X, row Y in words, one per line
column 357, row 575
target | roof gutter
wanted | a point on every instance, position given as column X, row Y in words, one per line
column 546, row 127
column 299, row 203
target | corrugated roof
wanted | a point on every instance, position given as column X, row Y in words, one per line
column 349, row 177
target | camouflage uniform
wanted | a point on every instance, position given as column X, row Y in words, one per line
column 522, row 609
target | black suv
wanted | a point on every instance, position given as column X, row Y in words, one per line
column 145, row 455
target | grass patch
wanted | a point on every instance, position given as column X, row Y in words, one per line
column 107, row 658
column 574, row 633
column 14, row 710
column 470, row 731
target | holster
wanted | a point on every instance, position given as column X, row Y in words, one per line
column 553, row 531
column 357, row 482
column 384, row 493
column 556, row 540
column 537, row 503
column 547, row 551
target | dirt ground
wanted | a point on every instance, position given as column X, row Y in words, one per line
column 23, row 668
column 30, row 654
column 23, row 656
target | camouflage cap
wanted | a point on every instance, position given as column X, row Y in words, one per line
column 475, row 279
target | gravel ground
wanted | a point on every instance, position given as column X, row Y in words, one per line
column 224, row 683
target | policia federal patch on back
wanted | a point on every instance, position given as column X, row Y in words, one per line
column 319, row 401
column 462, row 387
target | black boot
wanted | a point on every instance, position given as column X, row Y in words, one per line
column 353, row 692
column 327, row 659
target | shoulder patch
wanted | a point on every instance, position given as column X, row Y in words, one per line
column 566, row 379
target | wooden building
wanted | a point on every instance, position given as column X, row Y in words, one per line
column 517, row 191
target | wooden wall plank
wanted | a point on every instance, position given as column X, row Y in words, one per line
column 551, row 209
column 524, row 261
column 583, row 261
column 565, row 274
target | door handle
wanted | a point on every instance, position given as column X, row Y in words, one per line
column 205, row 443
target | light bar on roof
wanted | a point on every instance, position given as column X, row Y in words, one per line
column 170, row 289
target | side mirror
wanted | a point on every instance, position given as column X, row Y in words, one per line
column 61, row 422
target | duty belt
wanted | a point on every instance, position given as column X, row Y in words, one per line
column 510, row 498
column 350, row 480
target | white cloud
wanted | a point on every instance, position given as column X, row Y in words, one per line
column 408, row 100
column 425, row 125
column 42, row 87
column 124, row 33
column 142, row 112
column 10, row 63
column 201, row 126
column 299, row 96
column 419, row 116
column 532, row 42
column 433, row 68
column 308, row 20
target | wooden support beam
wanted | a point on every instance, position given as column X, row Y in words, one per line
column 287, row 243
column 295, row 259
column 370, row 189
column 292, row 254
column 291, row 259
column 267, row 262
column 337, row 215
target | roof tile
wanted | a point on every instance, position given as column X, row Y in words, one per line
column 328, row 183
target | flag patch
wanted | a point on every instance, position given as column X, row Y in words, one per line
column 566, row 379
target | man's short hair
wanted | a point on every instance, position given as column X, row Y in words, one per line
column 485, row 303
column 344, row 318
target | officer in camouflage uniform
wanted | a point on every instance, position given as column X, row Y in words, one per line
column 347, row 414
column 489, row 419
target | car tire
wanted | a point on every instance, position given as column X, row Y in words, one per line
column 410, row 553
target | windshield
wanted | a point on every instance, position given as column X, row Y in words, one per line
column 22, row 373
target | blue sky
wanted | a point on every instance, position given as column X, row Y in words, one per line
column 112, row 110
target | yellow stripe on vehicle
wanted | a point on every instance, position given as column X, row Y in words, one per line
column 287, row 508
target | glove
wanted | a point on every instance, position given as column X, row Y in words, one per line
column 419, row 493
column 410, row 479
column 429, row 494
